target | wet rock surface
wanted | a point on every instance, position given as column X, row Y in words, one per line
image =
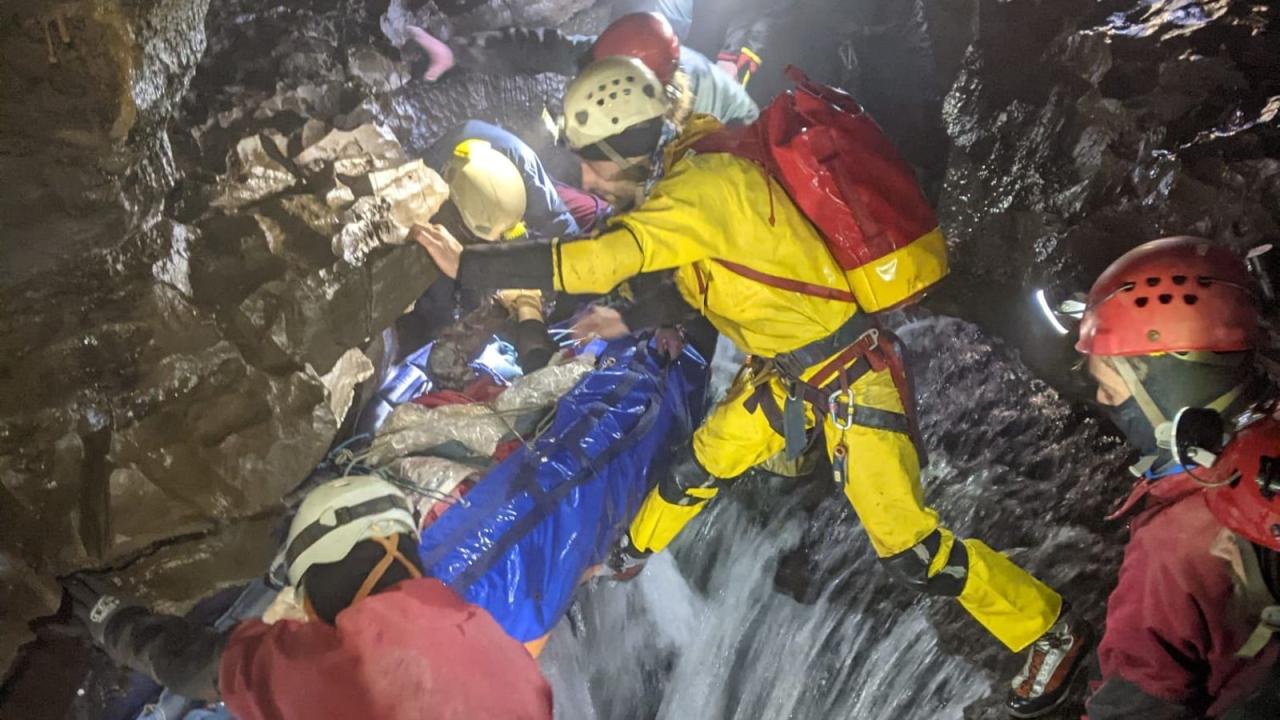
column 206, row 231
column 181, row 303
column 1082, row 129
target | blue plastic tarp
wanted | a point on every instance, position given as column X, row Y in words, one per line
column 536, row 522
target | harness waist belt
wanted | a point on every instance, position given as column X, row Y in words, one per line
column 794, row 363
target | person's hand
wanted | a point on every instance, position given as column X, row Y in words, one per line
column 599, row 321
column 93, row 603
column 438, row 52
column 444, row 249
column 669, row 342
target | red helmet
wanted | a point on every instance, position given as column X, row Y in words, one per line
column 648, row 37
column 1171, row 295
column 1242, row 506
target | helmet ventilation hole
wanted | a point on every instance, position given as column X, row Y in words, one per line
column 1166, row 298
column 1153, row 281
column 1203, row 281
column 1179, row 279
column 1141, row 302
column 1190, row 299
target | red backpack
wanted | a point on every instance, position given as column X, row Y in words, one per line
column 847, row 178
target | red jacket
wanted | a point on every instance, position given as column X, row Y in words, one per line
column 415, row 652
column 1174, row 622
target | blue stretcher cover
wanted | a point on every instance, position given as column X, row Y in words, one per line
column 537, row 521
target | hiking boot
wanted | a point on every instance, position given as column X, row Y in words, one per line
column 1052, row 663
column 626, row 561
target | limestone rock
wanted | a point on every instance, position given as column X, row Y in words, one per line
column 26, row 595
column 340, row 382
column 354, row 152
column 257, row 172
column 375, row 69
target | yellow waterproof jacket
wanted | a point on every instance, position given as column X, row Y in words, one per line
column 711, row 207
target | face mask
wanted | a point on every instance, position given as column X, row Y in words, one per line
column 1137, row 430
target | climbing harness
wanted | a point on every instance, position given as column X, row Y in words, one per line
column 829, row 391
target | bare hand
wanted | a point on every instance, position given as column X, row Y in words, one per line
column 600, row 321
column 669, row 342
column 440, row 55
column 442, row 246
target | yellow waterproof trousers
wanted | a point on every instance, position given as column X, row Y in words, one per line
column 883, row 485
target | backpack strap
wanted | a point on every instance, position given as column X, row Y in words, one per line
column 796, row 286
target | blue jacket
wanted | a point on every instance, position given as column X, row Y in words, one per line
column 545, row 214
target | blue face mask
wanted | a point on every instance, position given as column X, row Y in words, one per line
column 1134, row 425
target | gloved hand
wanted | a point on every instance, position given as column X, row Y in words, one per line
column 93, row 603
column 522, row 304
column 626, row 561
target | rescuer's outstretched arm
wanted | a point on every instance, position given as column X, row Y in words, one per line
column 177, row 653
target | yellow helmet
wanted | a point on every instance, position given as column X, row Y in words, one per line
column 610, row 97
column 487, row 189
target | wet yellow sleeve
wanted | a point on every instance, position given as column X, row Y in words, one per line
column 690, row 215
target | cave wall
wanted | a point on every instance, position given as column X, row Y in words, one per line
column 1082, row 129
column 202, row 231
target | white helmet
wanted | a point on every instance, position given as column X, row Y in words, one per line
column 340, row 513
column 487, row 189
column 611, row 96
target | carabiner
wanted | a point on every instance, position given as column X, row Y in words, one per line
column 833, row 407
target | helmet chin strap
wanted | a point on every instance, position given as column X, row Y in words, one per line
column 1163, row 426
column 614, row 157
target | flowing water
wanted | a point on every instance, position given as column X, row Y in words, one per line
column 739, row 648
column 714, row 629
column 736, row 646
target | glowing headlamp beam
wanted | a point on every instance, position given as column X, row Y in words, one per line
column 1043, row 302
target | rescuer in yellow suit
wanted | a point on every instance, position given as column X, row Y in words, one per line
column 693, row 213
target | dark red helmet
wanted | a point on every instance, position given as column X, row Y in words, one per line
column 1171, row 295
column 1249, row 506
column 647, row 37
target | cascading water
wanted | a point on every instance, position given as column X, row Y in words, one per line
column 740, row 648
column 712, row 628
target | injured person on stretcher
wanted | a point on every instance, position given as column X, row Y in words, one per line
column 429, row 550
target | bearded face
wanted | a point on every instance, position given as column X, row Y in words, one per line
column 623, row 186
